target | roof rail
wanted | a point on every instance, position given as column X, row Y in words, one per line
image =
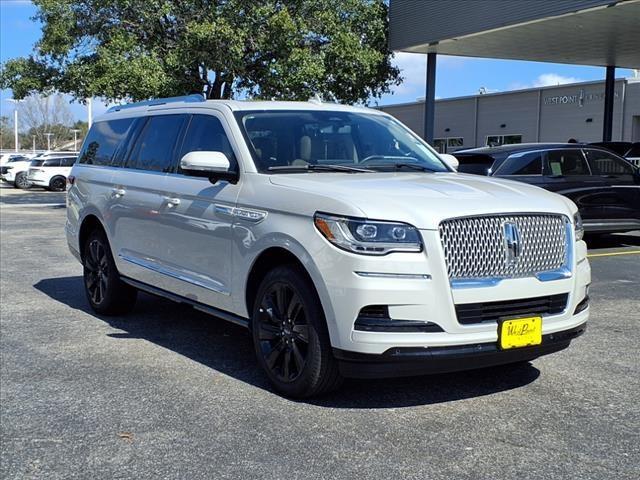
column 195, row 97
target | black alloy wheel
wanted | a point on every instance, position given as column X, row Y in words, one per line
column 290, row 335
column 58, row 184
column 106, row 292
column 283, row 332
column 22, row 182
column 97, row 271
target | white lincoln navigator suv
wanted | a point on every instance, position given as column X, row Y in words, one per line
column 345, row 244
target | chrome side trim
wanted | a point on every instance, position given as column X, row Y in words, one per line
column 173, row 274
column 406, row 276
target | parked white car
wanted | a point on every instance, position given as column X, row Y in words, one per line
column 17, row 172
column 51, row 173
column 339, row 237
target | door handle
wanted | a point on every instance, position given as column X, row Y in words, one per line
column 172, row 202
column 118, row 192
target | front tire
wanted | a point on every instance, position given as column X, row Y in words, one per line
column 22, row 182
column 106, row 292
column 290, row 335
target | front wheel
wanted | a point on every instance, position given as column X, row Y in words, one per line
column 106, row 292
column 22, row 182
column 290, row 335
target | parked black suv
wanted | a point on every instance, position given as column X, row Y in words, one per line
column 604, row 186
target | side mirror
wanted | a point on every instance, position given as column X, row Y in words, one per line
column 213, row 165
column 450, row 160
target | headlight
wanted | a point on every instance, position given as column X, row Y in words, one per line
column 578, row 228
column 368, row 237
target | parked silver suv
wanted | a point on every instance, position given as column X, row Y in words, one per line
column 340, row 238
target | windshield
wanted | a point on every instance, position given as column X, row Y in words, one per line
column 317, row 141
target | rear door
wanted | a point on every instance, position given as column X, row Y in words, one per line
column 137, row 200
column 620, row 197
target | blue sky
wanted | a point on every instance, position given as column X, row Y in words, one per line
column 456, row 76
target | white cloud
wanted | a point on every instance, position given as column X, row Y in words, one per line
column 546, row 80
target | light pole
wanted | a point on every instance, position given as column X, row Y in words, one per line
column 48, row 134
column 89, row 111
column 15, row 122
column 75, row 139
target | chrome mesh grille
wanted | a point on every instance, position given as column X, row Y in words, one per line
column 475, row 247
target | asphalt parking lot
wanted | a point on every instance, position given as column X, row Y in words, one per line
column 168, row 392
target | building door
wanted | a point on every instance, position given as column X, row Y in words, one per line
column 635, row 128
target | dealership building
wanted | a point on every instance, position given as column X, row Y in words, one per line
column 581, row 32
column 546, row 114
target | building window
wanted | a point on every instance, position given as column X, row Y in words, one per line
column 448, row 144
column 496, row 140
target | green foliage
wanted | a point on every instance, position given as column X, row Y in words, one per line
column 137, row 49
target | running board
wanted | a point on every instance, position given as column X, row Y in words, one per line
column 229, row 317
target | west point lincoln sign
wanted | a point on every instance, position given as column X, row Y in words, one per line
column 579, row 98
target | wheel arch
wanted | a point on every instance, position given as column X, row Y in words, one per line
column 276, row 255
column 89, row 223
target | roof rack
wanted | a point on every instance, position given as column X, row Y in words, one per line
column 159, row 101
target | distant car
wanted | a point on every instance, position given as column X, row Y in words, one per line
column 605, row 186
column 51, row 173
column 8, row 160
column 17, row 172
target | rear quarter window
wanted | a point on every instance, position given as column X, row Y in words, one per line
column 475, row 164
column 103, row 140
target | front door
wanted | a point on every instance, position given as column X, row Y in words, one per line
column 620, row 199
column 197, row 218
column 566, row 172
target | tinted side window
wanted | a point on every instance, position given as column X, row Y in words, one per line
column 522, row 163
column 604, row 163
column 205, row 133
column 566, row 162
column 52, row 162
column 67, row 161
column 103, row 140
column 155, row 149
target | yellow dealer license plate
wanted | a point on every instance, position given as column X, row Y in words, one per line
column 520, row 332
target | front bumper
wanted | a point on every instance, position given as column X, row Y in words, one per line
column 410, row 361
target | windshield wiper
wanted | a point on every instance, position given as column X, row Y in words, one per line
column 318, row 168
column 400, row 166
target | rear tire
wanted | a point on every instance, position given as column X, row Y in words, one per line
column 58, row 184
column 290, row 335
column 106, row 292
column 22, row 182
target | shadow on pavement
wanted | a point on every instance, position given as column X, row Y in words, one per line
column 227, row 348
column 33, row 196
column 616, row 240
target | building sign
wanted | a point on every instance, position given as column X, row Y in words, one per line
column 579, row 98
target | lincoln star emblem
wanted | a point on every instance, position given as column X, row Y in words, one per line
column 512, row 242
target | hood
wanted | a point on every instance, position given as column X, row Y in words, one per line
column 425, row 199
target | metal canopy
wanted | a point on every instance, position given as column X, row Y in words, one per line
column 605, row 34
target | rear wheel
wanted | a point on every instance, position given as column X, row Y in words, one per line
column 106, row 292
column 290, row 335
column 58, row 184
column 22, row 182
